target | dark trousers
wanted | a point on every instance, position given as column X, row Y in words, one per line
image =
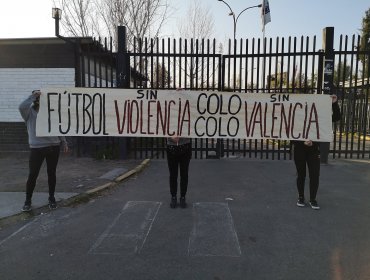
column 174, row 163
column 37, row 156
column 309, row 156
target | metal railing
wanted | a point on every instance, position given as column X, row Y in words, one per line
column 293, row 65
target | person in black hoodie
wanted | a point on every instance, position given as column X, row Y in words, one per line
column 308, row 153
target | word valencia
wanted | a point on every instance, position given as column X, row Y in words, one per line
column 282, row 118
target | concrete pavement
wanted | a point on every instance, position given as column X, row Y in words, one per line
column 76, row 177
column 241, row 223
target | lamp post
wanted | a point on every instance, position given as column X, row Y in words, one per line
column 57, row 15
column 235, row 19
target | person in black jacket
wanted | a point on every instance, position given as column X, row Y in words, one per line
column 308, row 153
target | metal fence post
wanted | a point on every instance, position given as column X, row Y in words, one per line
column 220, row 149
column 123, row 80
column 78, row 83
column 328, row 70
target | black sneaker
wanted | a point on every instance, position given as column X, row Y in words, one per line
column 182, row 202
column 314, row 205
column 52, row 203
column 27, row 206
column 301, row 202
column 173, row 203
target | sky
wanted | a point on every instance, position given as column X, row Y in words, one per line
column 32, row 18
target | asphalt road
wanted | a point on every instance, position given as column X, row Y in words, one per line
column 242, row 223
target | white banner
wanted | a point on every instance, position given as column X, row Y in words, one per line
column 193, row 114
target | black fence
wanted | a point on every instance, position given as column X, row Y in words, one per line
column 293, row 65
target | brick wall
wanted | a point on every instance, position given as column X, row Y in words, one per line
column 16, row 84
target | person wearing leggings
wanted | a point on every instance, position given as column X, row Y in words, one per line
column 178, row 157
column 308, row 153
column 41, row 148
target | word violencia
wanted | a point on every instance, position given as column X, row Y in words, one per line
column 148, row 113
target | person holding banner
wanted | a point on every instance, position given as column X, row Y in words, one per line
column 41, row 148
column 178, row 157
column 308, row 153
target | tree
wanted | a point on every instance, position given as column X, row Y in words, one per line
column 77, row 17
column 365, row 42
column 342, row 73
column 198, row 24
column 161, row 77
column 199, row 21
column 143, row 18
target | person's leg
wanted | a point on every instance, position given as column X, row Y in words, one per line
column 184, row 172
column 35, row 161
column 300, row 164
column 52, row 157
column 314, row 173
column 173, row 166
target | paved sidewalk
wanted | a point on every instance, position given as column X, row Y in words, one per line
column 75, row 177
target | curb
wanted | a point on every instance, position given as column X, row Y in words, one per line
column 82, row 197
column 120, row 178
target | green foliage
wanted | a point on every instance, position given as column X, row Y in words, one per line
column 365, row 42
column 342, row 73
column 110, row 152
column 161, row 76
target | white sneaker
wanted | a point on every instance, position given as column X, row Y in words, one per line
column 314, row 205
column 300, row 202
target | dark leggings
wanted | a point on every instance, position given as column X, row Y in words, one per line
column 309, row 156
column 37, row 156
column 174, row 162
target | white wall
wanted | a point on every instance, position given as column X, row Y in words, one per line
column 17, row 83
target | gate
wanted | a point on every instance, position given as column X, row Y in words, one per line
column 293, row 65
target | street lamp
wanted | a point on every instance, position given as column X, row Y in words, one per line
column 57, row 15
column 235, row 19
